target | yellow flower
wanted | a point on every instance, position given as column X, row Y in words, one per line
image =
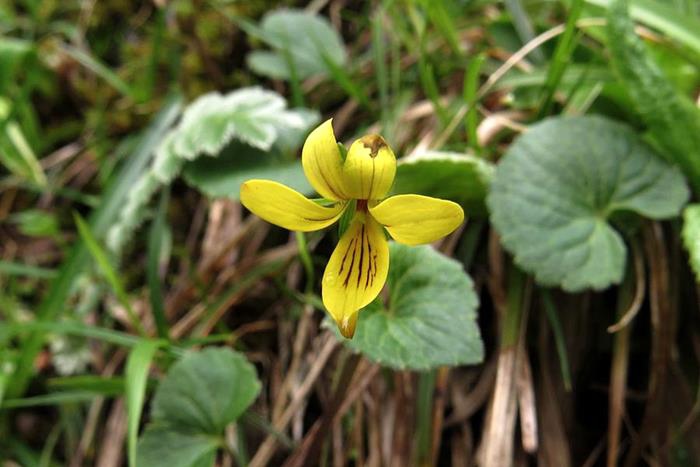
column 357, row 269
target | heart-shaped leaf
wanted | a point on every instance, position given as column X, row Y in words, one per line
column 165, row 447
column 556, row 188
column 430, row 320
column 201, row 394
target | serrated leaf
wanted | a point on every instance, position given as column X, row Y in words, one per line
column 672, row 118
column 307, row 40
column 222, row 176
column 558, row 185
column 431, row 316
column 166, row 447
column 461, row 178
column 205, row 391
column 252, row 115
column 691, row 236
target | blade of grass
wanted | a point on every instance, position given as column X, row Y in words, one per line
column 100, row 257
column 523, row 26
column 343, row 79
column 380, row 71
column 71, row 328
column 26, row 270
column 100, row 220
column 471, row 84
column 683, row 28
column 155, row 248
column 100, row 69
column 561, row 58
column 57, row 398
column 442, row 20
column 430, row 87
column 137, row 366
column 106, row 386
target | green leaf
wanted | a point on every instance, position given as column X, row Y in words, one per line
column 251, row 115
column 306, row 40
column 691, row 236
column 558, row 185
column 166, row 447
column 268, row 64
column 461, row 178
column 222, row 176
column 205, row 391
column 673, row 119
column 431, row 315
column 200, row 395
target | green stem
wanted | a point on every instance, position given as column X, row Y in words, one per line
column 510, row 331
column 559, row 340
column 305, row 258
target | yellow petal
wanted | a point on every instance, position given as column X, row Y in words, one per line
column 416, row 219
column 369, row 168
column 280, row 205
column 356, row 271
column 322, row 162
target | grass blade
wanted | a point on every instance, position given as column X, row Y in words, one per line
column 155, row 247
column 100, row 257
column 99, row 69
column 683, row 28
column 136, row 378
column 26, row 270
column 471, row 84
column 561, row 58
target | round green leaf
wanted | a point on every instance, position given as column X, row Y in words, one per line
column 205, row 391
column 165, row 447
column 461, row 178
column 223, row 175
column 555, row 190
column 430, row 320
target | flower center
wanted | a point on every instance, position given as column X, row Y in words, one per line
column 361, row 205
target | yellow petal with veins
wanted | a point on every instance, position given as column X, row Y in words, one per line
column 280, row 205
column 369, row 168
column 322, row 162
column 356, row 271
column 416, row 219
